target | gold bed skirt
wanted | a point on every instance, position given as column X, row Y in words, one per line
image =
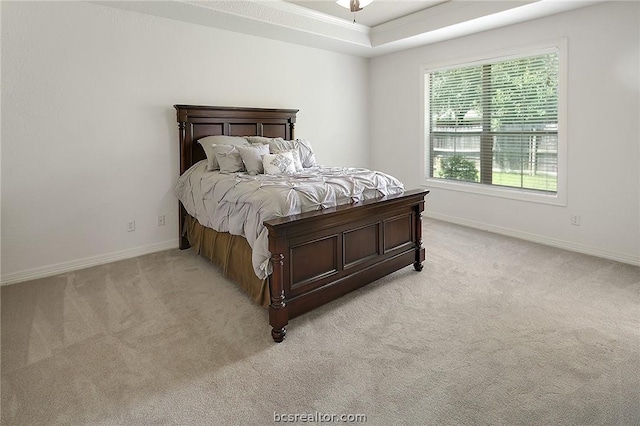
column 232, row 253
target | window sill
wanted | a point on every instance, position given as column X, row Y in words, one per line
column 499, row 191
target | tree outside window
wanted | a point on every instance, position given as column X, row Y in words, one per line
column 496, row 123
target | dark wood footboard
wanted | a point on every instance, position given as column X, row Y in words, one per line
column 320, row 256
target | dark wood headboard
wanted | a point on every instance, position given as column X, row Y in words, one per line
column 196, row 122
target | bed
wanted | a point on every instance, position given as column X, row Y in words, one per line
column 315, row 256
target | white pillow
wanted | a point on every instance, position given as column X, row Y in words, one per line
column 307, row 157
column 229, row 159
column 208, row 142
column 263, row 140
column 279, row 144
column 277, row 164
column 252, row 157
column 296, row 158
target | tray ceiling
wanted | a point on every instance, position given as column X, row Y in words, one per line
column 393, row 24
column 378, row 12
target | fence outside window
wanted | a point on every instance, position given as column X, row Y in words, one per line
column 495, row 123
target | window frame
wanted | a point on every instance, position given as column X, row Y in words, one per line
column 522, row 194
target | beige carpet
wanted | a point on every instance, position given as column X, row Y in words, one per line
column 492, row 331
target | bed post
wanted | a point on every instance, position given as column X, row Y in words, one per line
column 185, row 159
column 292, row 125
column 278, row 310
column 420, row 252
column 183, row 241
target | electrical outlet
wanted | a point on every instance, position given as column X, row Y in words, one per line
column 131, row 226
column 575, row 220
column 161, row 220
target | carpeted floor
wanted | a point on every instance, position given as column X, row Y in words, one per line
column 493, row 331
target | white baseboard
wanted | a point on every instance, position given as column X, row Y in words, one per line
column 567, row 245
column 60, row 268
column 74, row 265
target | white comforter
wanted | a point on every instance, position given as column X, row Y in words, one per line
column 239, row 203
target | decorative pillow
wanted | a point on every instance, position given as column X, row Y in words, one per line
column 208, row 142
column 260, row 139
column 252, row 157
column 279, row 144
column 277, row 164
column 229, row 160
column 296, row 158
column 307, row 157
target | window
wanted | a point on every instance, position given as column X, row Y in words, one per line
column 494, row 124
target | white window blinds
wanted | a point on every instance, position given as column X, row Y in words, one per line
column 495, row 123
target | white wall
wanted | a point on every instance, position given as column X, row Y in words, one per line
column 89, row 135
column 603, row 160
